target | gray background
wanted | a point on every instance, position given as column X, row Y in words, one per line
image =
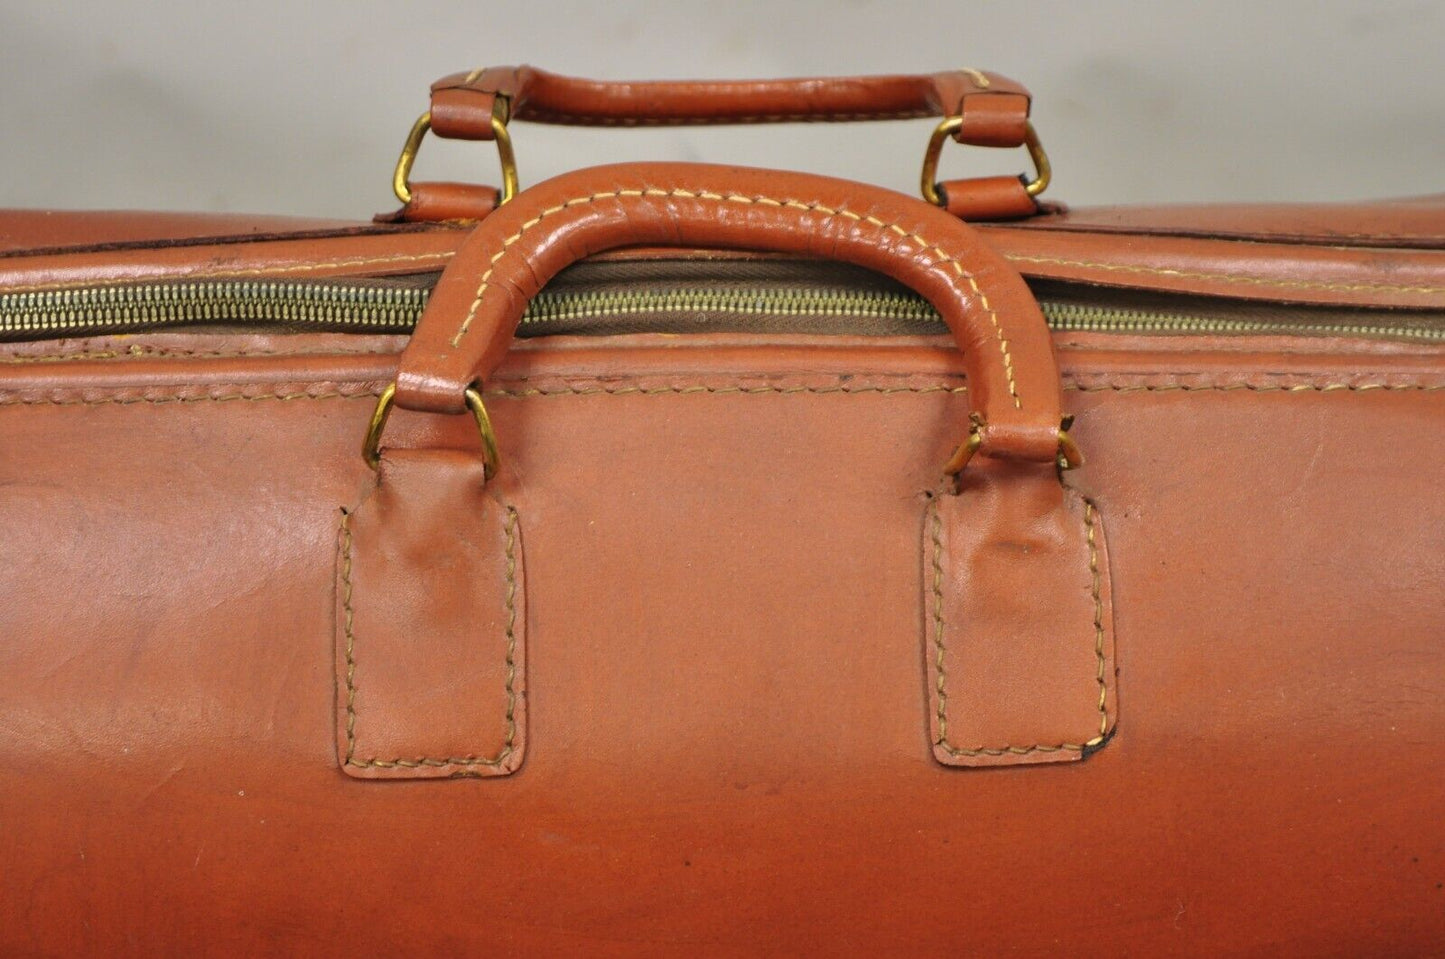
column 301, row 107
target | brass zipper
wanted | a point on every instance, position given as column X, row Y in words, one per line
column 395, row 308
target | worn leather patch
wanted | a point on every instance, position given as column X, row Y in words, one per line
column 1019, row 641
column 430, row 622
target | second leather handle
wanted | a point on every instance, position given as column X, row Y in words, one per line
column 993, row 108
column 472, row 316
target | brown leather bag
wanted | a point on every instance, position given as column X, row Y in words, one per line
column 679, row 559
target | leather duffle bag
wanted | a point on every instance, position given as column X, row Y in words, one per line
column 686, row 559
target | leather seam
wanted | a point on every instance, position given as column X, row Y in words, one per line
column 940, row 649
column 761, row 201
column 1224, row 277
column 209, row 398
column 1332, row 387
column 238, row 271
column 509, row 602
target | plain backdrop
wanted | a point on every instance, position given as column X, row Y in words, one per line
column 301, row 107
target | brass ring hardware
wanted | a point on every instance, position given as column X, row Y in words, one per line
column 966, row 449
column 1043, row 171
column 401, row 179
column 1069, row 455
column 371, row 447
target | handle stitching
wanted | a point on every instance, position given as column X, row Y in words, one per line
column 511, row 674
column 940, row 647
column 928, row 247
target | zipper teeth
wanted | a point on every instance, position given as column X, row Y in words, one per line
column 171, row 304
column 863, row 303
column 1073, row 318
column 396, row 309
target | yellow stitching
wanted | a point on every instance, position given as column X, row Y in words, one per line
column 511, row 673
column 239, row 271
column 1225, row 278
column 928, row 247
column 1091, row 523
column 980, row 79
column 346, row 625
column 940, row 648
column 222, row 398
column 472, row 77
column 372, row 393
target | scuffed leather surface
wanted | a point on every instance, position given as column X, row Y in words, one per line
column 1390, row 259
column 430, row 624
column 1406, row 222
column 716, row 763
column 995, row 109
column 1018, row 620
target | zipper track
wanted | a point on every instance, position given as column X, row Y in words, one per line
column 395, row 308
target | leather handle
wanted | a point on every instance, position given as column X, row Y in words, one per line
column 994, row 108
column 469, row 323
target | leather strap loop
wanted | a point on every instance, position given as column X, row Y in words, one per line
column 438, row 202
column 995, row 109
column 470, row 321
column 988, row 198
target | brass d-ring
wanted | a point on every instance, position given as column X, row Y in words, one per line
column 401, row 178
column 1069, row 455
column 371, row 446
column 928, row 180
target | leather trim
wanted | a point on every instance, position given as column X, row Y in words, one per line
column 1018, row 624
column 430, row 625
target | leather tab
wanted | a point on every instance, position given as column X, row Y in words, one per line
column 994, row 117
column 1019, row 635
column 430, row 622
column 434, row 202
column 988, row 198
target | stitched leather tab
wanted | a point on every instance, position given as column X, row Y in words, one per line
column 429, row 624
column 1019, row 637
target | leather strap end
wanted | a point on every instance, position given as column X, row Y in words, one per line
column 993, row 119
column 430, row 625
column 462, row 113
column 1019, row 637
column 988, row 198
column 435, row 202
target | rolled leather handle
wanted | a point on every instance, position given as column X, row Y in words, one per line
column 472, row 316
column 994, row 108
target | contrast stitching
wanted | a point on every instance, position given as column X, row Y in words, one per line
column 209, row 398
column 940, row 649
column 511, row 665
column 241, row 271
column 1224, row 277
column 107, row 400
column 928, row 247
